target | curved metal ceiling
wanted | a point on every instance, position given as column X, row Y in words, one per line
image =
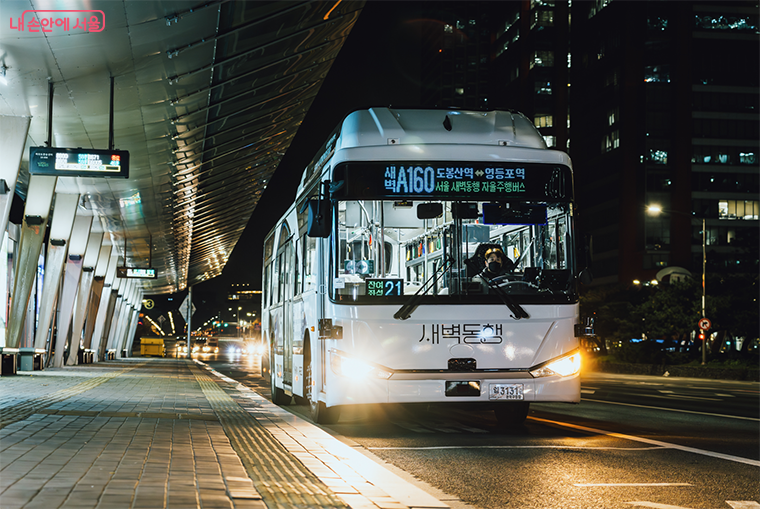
column 208, row 98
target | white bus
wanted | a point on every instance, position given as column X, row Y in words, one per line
column 371, row 291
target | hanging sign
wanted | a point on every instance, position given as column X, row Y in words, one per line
column 78, row 162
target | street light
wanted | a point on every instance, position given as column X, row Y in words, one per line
column 656, row 210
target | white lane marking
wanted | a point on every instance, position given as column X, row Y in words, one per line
column 665, row 392
column 411, row 426
column 725, row 395
column 684, row 396
column 666, row 445
column 637, row 484
column 587, row 391
column 654, row 505
column 443, row 447
column 472, row 430
column 673, row 410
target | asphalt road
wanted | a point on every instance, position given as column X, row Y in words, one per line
column 634, row 441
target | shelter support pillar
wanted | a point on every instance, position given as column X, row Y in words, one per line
column 38, row 200
column 64, row 212
column 70, row 286
column 103, row 308
column 91, row 252
column 13, row 132
column 118, row 328
column 117, row 288
column 137, row 305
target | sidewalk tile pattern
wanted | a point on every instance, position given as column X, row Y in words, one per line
column 125, row 438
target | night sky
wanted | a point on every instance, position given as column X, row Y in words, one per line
column 377, row 66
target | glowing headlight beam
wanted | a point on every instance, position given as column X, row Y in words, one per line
column 564, row 366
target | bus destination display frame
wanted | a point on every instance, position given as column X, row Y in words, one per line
column 443, row 180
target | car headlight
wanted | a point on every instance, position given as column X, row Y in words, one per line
column 563, row 366
column 356, row 369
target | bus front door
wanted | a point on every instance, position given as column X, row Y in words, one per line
column 287, row 317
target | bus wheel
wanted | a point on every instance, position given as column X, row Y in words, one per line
column 322, row 414
column 511, row 415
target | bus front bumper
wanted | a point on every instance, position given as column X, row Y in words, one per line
column 475, row 387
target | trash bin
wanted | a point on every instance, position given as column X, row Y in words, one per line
column 152, row 347
column 8, row 358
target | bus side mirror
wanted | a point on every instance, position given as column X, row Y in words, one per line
column 319, row 221
column 585, row 277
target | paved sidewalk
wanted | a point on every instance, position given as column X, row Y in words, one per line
column 170, row 433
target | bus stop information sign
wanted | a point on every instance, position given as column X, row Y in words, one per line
column 78, row 162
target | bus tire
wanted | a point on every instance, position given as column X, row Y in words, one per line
column 511, row 415
column 322, row 414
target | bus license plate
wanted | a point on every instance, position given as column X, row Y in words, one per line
column 506, row 391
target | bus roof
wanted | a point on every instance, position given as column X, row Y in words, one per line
column 387, row 126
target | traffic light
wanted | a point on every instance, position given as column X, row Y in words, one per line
column 702, row 336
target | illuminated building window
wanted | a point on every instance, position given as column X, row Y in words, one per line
column 657, row 156
column 597, row 7
column 543, row 88
column 738, row 209
column 613, row 116
column 657, row 24
column 747, row 158
column 657, row 73
column 543, row 121
column 611, row 141
column 551, row 141
column 738, row 23
column 542, row 58
column 542, row 18
column 448, row 29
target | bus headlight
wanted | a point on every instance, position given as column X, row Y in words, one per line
column 356, row 369
column 562, row 366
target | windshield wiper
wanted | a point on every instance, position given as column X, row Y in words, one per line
column 407, row 309
column 517, row 310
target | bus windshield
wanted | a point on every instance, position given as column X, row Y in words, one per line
column 388, row 250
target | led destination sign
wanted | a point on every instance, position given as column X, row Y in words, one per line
column 453, row 181
column 78, row 162
column 384, row 287
column 136, row 272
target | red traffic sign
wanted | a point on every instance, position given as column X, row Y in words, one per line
column 704, row 324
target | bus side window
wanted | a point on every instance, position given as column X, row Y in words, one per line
column 309, row 262
column 297, row 268
column 266, row 283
